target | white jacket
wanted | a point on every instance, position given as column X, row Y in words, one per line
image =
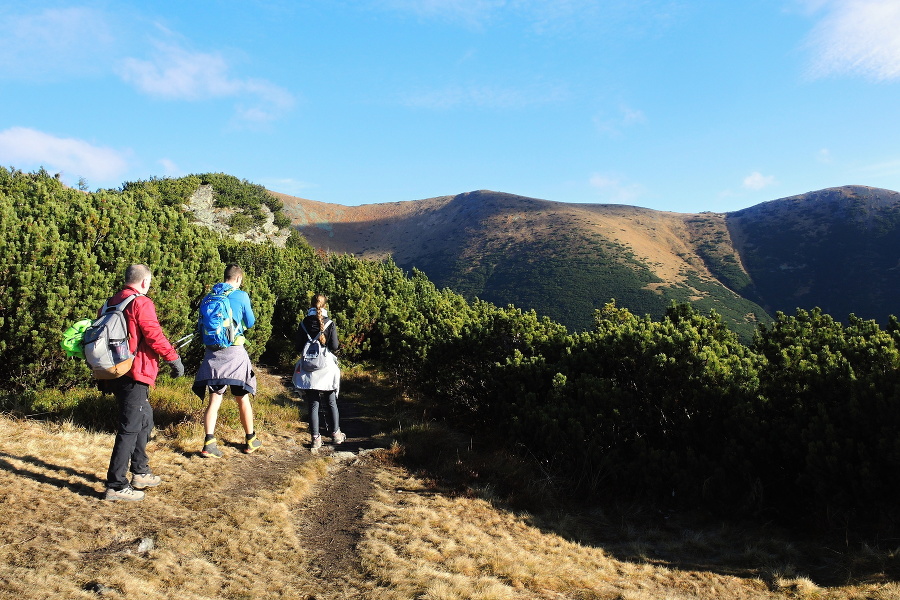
column 323, row 380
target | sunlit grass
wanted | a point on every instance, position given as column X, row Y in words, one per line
column 442, row 521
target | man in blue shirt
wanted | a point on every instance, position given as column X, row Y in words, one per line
column 229, row 367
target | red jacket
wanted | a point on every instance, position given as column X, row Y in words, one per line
column 146, row 338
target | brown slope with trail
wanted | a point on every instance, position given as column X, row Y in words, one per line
column 561, row 259
column 665, row 240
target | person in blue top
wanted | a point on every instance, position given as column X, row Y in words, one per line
column 229, row 367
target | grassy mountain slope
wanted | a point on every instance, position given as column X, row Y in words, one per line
column 838, row 249
column 564, row 260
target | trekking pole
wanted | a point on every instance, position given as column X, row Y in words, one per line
column 183, row 341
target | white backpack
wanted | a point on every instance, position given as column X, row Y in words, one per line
column 318, row 368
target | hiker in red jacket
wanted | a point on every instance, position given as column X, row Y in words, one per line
column 132, row 390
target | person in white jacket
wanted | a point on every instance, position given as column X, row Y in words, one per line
column 322, row 384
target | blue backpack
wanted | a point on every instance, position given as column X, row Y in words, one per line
column 217, row 324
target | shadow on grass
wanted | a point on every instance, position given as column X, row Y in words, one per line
column 82, row 489
column 466, row 464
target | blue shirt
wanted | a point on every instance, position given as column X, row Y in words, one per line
column 241, row 310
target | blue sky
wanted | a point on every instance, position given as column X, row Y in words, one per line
column 680, row 105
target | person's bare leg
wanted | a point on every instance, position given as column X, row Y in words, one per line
column 212, row 413
column 245, row 409
column 246, row 412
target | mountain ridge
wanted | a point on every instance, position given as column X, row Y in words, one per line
column 566, row 259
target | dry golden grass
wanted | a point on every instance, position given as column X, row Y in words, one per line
column 240, row 527
column 425, row 544
column 214, row 528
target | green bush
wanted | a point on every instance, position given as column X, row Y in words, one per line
column 800, row 425
column 64, row 252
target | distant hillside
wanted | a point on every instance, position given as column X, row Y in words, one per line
column 838, row 249
column 564, row 260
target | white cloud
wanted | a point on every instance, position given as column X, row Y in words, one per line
column 856, row 37
column 79, row 41
column 286, row 185
column 542, row 16
column 28, row 148
column 174, row 73
column 471, row 12
column 887, row 168
column 824, row 156
column 484, row 97
column 613, row 189
column 758, row 181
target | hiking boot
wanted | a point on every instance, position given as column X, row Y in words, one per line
column 252, row 445
column 317, row 442
column 142, row 481
column 127, row 493
column 211, row 449
column 338, row 437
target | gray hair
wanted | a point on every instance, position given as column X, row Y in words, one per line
column 136, row 273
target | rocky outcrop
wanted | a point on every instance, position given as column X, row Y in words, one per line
column 202, row 206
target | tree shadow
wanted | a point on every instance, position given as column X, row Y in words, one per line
column 697, row 540
column 100, row 412
column 467, row 464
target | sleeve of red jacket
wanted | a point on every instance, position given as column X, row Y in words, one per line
column 148, row 323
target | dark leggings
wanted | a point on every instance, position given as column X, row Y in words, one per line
column 316, row 396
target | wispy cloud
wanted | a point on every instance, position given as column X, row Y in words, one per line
column 541, row 15
column 626, row 117
column 170, row 169
column 855, row 37
column 612, row 189
column 29, row 148
column 46, row 44
column 758, row 181
column 824, row 156
column 53, row 43
column 484, row 97
column 887, row 168
column 470, row 12
column 173, row 73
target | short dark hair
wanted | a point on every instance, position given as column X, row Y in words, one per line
column 232, row 272
column 136, row 273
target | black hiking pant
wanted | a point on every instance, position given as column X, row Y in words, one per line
column 135, row 424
